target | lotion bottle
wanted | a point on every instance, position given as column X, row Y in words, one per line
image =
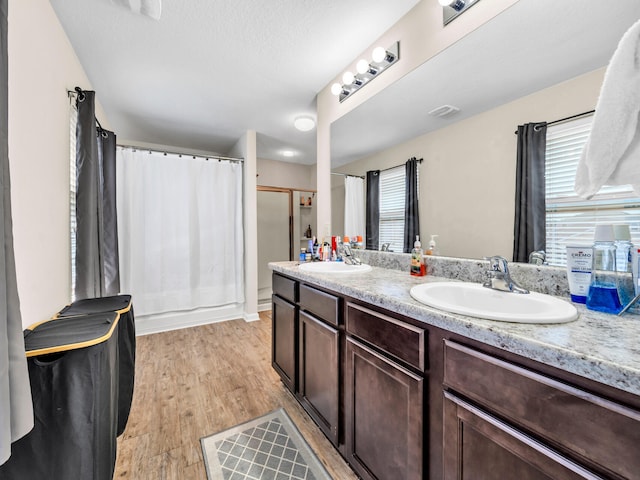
column 418, row 267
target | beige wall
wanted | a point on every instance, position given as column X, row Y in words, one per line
column 42, row 66
column 273, row 173
column 467, row 179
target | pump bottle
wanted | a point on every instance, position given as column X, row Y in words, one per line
column 418, row 267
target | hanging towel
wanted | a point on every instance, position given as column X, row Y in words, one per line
column 612, row 153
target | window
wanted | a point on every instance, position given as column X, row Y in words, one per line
column 392, row 207
column 570, row 219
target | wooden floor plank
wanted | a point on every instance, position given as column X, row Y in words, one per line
column 194, row 382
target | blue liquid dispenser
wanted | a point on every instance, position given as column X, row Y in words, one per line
column 603, row 293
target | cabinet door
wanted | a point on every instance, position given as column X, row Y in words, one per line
column 283, row 338
column 478, row 446
column 318, row 383
column 383, row 416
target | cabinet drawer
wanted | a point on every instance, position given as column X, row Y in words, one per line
column 322, row 305
column 399, row 339
column 595, row 430
column 284, row 287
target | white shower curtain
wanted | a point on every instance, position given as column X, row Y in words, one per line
column 180, row 231
column 354, row 214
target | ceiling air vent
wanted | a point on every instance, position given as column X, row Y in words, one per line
column 444, row 111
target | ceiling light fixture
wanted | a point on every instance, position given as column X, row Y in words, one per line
column 304, row 123
column 451, row 9
column 287, row 153
column 381, row 59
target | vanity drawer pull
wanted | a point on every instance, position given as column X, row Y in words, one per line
column 402, row 340
column 596, row 430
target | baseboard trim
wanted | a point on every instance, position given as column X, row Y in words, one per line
column 164, row 322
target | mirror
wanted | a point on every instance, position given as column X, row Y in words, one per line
column 539, row 60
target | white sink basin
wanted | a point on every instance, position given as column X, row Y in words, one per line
column 477, row 301
column 334, row 267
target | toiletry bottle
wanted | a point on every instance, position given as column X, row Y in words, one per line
column 603, row 291
column 624, row 248
column 418, row 268
column 432, row 246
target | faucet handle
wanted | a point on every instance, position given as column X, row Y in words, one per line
column 498, row 264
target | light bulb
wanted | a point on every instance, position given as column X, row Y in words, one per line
column 445, row 3
column 348, row 78
column 362, row 66
column 336, row 89
column 379, row 54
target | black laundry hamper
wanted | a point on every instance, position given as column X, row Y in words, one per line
column 126, row 341
column 74, row 372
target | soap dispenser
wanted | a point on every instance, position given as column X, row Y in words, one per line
column 432, row 246
column 418, row 267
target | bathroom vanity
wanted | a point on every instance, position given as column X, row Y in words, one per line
column 405, row 391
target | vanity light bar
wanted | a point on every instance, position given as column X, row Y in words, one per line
column 382, row 59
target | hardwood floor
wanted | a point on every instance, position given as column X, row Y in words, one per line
column 193, row 382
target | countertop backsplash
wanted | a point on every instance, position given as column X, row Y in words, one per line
column 537, row 278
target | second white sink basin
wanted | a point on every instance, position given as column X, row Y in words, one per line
column 477, row 301
column 333, row 267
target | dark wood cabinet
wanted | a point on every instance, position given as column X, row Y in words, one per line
column 283, row 337
column 404, row 400
column 319, row 373
column 383, row 416
column 479, row 446
column 577, row 433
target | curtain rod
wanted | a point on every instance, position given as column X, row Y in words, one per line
column 78, row 91
column 347, row 175
column 560, row 120
column 401, row 165
column 182, row 154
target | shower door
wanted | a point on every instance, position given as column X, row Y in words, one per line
column 274, row 235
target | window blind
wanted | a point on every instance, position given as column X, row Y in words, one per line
column 392, row 201
column 570, row 220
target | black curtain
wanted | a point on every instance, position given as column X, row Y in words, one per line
column 529, row 225
column 411, row 216
column 373, row 210
column 16, row 411
column 96, row 217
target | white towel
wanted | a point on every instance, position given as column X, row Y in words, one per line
column 612, row 153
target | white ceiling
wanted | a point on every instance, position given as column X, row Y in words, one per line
column 208, row 71
column 530, row 46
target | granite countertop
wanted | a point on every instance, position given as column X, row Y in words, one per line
column 598, row 346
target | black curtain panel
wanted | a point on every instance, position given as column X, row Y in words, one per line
column 529, row 225
column 373, row 210
column 96, row 237
column 16, row 411
column 411, row 215
column 110, row 256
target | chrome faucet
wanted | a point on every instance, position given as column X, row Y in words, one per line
column 344, row 250
column 537, row 257
column 498, row 276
